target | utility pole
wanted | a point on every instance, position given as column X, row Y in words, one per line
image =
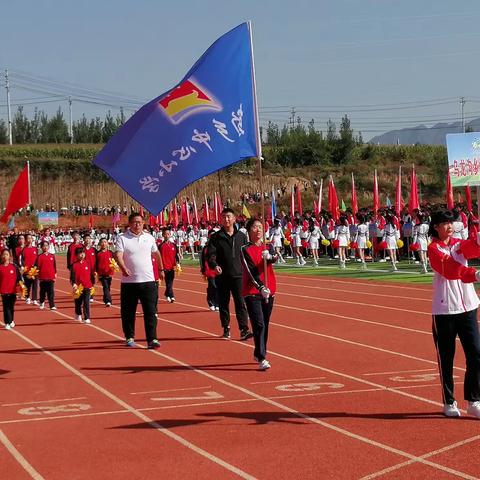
column 71, row 118
column 292, row 118
column 462, row 104
column 9, row 113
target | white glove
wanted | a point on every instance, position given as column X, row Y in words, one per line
column 266, row 255
column 265, row 292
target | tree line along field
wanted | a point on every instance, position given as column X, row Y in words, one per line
column 63, row 174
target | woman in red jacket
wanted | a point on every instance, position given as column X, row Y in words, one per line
column 258, row 288
column 9, row 276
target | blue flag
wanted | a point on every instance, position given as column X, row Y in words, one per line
column 204, row 124
column 274, row 205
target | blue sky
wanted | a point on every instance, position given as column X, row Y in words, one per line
column 368, row 59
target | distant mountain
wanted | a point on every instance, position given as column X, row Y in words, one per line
column 424, row 135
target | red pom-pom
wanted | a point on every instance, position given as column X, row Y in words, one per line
column 335, row 243
column 353, row 245
column 196, row 243
column 304, row 244
column 382, row 245
column 414, row 247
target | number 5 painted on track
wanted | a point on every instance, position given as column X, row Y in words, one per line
column 51, row 409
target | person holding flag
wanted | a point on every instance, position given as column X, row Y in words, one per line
column 258, row 288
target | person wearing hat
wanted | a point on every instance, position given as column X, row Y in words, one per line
column 454, row 309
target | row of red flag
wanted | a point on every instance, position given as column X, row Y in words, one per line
column 20, row 197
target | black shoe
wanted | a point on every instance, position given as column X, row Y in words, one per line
column 154, row 344
column 226, row 332
column 245, row 334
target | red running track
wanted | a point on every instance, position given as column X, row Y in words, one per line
column 353, row 392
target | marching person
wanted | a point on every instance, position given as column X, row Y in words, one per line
column 28, row 259
column 134, row 250
column 9, row 277
column 361, row 238
column 47, row 274
column 454, row 309
column 390, row 237
column 76, row 242
column 342, row 234
column 170, row 258
column 82, row 275
column 277, row 236
column 420, row 238
column 314, row 237
column 224, row 256
column 258, row 288
column 105, row 270
column 210, row 275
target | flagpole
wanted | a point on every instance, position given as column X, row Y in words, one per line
column 29, row 194
column 259, row 147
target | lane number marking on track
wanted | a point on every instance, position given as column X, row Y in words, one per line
column 206, row 396
column 52, row 409
column 419, row 377
column 306, row 387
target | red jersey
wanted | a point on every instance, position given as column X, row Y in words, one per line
column 9, row 276
column 253, row 270
column 103, row 267
column 169, row 253
column 28, row 257
column 80, row 273
column 47, row 266
column 91, row 258
column 71, row 257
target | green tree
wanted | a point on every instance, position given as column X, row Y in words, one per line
column 3, row 132
column 20, row 126
column 109, row 127
column 58, row 129
column 81, row 131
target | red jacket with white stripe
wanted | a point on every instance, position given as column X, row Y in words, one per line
column 9, row 276
column 254, row 272
column 453, row 279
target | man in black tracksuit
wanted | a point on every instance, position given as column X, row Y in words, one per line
column 225, row 257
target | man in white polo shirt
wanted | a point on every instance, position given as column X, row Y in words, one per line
column 134, row 250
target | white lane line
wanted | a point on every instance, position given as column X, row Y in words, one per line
column 43, row 401
column 329, row 280
column 323, row 289
column 333, row 300
column 157, row 426
column 328, row 314
column 400, row 371
column 60, row 417
column 287, row 380
column 172, row 390
column 19, row 457
column 447, row 448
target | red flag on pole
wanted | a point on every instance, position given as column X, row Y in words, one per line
column 19, row 196
column 450, row 203
column 320, row 194
column 354, row 198
column 292, row 204
column 299, row 201
column 206, row 210
column 187, row 211
column 152, row 221
column 315, row 208
column 398, row 193
column 219, row 207
column 413, row 203
column 468, row 198
column 175, row 213
column 333, row 200
column 215, row 207
column 376, row 200
column 195, row 211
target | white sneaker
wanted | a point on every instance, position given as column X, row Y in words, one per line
column 42, row 306
column 87, row 320
column 78, row 318
column 217, row 309
column 212, row 308
column 169, row 300
column 12, row 324
column 28, row 301
column 264, row 364
column 108, row 304
column 53, row 308
column 8, row 326
column 451, row 410
column 91, row 300
column 35, row 302
column 473, row 409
